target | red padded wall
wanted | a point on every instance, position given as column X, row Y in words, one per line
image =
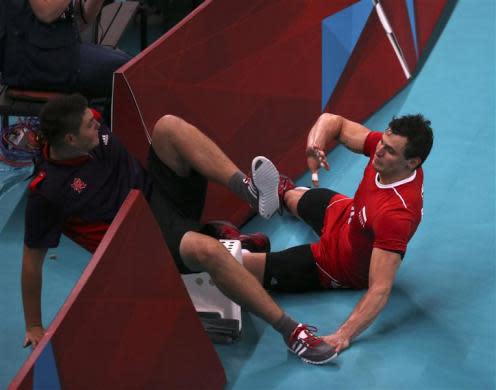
column 397, row 14
column 24, row 381
column 427, row 14
column 248, row 74
column 129, row 322
column 372, row 76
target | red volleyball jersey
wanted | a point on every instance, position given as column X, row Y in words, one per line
column 379, row 216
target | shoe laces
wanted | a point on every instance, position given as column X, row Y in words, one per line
column 310, row 340
column 248, row 180
column 285, row 184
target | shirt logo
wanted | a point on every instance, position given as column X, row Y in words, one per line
column 105, row 138
column 78, row 185
column 352, row 214
column 362, row 217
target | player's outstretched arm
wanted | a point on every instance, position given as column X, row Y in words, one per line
column 329, row 128
column 31, row 281
column 383, row 267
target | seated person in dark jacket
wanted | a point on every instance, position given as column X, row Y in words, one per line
column 42, row 48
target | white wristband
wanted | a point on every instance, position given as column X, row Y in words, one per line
column 315, row 176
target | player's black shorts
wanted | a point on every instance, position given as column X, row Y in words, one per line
column 313, row 205
column 295, row 269
column 291, row 270
column 177, row 203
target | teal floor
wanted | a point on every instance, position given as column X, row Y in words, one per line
column 438, row 330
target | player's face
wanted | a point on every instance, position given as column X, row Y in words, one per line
column 389, row 159
column 87, row 138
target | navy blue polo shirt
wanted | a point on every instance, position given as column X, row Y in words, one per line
column 80, row 197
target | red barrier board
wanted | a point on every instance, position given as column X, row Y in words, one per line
column 129, row 321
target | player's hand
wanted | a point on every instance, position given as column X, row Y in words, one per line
column 338, row 341
column 316, row 159
column 33, row 336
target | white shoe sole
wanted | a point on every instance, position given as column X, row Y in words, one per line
column 266, row 178
column 313, row 361
column 318, row 363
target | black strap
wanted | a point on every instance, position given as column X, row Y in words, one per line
column 220, row 330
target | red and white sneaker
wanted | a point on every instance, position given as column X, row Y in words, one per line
column 308, row 347
column 253, row 242
column 285, row 184
column 222, row 230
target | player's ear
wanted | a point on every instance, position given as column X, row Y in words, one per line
column 414, row 163
column 69, row 139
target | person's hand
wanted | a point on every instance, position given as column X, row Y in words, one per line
column 338, row 341
column 316, row 159
column 33, row 336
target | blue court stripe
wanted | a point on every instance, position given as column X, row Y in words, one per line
column 46, row 375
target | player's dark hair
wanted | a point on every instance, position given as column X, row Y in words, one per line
column 418, row 132
column 61, row 116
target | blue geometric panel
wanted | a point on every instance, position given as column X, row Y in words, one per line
column 46, row 375
column 411, row 13
column 340, row 33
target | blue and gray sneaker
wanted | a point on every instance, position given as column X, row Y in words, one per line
column 308, row 347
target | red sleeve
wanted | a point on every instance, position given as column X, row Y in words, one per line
column 371, row 142
column 393, row 231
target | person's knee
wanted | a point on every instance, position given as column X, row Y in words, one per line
column 166, row 128
column 201, row 252
column 292, row 198
column 168, row 135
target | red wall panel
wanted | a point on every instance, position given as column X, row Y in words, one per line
column 248, row 74
column 427, row 13
column 128, row 319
